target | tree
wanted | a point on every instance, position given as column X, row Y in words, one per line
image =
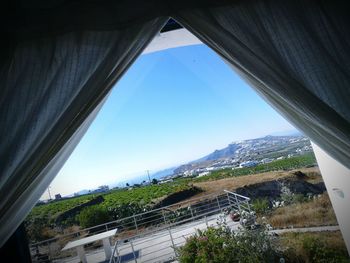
column 92, row 216
column 154, row 181
column 127, row 184
column 38, row 228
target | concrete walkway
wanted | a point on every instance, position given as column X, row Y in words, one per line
column 157, row 247
column 306, row 229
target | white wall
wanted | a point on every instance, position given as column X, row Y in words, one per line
column 172, row 39
column 337, row 180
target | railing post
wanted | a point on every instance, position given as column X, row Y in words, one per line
column 191, row 213
column 133, row 251
column 172, row 241
column 113, row 252
column 206, row 220
column 49, row 250
column 117, row 252
column 248, row 206
column 164, row 216
column 217, row 200
column 228, row 199
column 239, row 207
column 137, row 229
column 106, row 227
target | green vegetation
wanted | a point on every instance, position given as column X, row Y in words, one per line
column 261, row 205
column 218, row 245
column 322, row 247
column 142, row 195
column 37, row 228
column 117, row 204
column 317, row 211
column 125, row 202
column 53, row 209
column 247, row 245
column 154, row 181
column 145, row 195
column 92, row 216
column 285, row 164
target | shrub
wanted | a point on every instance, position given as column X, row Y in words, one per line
column 223, row 245
column 318, row 251
column 37, row 229
column 287, row 196
column 316, row 212
column 299, row 198
column 261, row 205
column 120, row 211
column 92, row 216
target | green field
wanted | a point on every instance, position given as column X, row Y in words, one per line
column 144, row 195
column 141, row 195
column 54, row 208
column 285, row 164
column 124, row 202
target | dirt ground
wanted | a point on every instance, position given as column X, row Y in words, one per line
column 218, row 186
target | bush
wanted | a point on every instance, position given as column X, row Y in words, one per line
column 92, row 216
column 318, row 252
column 222, row 245
column 261, row 205
column 315, row 247
column 287, row 196
column 38, row 229
column 299, row 198
column 120, row 211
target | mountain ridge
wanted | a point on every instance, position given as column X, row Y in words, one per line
column 243, row 150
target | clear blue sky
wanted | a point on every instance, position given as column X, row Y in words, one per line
column 171, row 107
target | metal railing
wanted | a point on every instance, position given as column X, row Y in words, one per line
column 141, row 225
column 162, row 244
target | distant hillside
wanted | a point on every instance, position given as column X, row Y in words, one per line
column 259, row 148
column 228, row 151
column 163, row 173
column 236, row 149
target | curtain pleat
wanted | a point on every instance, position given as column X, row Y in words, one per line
column 295, row 54
column 52, row 88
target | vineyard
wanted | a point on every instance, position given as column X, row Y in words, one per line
column 116, row 204
column 284, row 164
column 143, row 195
column 43, row 221
column 54, row 208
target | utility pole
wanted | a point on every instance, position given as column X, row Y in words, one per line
column 48, row 189
column 149, row 178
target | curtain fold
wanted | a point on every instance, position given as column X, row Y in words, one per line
column 295, row 54
column 52, row 88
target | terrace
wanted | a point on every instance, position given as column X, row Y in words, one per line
column 152, row 236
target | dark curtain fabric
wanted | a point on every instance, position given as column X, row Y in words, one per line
column 59, row 60
column 295, row 54
column 45, row 17
column 51, row 89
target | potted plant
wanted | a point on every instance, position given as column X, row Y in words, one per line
column 235, row 215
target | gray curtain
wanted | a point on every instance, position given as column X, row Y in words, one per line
column 52, row 87
column 295, row 54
